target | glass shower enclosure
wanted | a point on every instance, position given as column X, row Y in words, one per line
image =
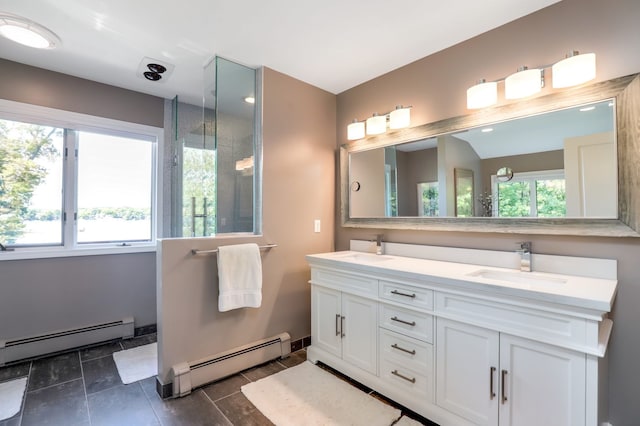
column 217, row 153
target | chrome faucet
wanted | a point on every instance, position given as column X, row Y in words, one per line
column 379, row 244
column 525, row 256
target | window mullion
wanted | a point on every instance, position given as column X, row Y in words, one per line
column 533, row 198
column 70, row 187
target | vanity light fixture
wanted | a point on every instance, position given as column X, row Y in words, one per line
column 26, row 32
column 376, row 124
column 483, row 94
column 523, row 83
column 399, row 118
column 355, row 130
column 575, row 69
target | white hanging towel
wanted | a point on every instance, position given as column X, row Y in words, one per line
column 239, row 277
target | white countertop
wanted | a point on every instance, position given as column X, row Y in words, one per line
column 572, row 290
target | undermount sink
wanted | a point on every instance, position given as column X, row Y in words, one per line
column 364, row 257
column 517, row 277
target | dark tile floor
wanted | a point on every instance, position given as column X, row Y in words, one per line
column 83, row 388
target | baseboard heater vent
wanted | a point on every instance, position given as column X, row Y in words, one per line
column 188, row 376
column 42, row 344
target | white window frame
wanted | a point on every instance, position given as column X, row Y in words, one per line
column 17, row 111
column 530, row 177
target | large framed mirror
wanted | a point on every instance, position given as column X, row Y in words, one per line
column 565, row 164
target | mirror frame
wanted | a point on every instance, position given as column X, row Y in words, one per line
column 625, row 90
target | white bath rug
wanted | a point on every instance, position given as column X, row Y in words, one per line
column 306, row 394
column 406, row 421
column 11, row 394
column 137, row 363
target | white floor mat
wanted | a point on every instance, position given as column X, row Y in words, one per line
column 137, row 363
column 306, row 394
column 406, row 421
column 11, row 394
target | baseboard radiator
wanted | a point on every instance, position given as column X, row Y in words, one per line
column 188, row 376
column 42, row 344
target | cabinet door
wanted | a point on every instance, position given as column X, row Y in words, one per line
column 467, row 371
column 360, row 332
column 544, row 385
column 325, row 319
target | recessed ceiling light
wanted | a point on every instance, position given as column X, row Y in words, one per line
column 250, row 100
column 27, row 33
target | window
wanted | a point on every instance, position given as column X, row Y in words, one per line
column 531, row 194
column 89, row 183
column 428, row 199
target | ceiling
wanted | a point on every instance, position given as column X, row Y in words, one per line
column 333, row 44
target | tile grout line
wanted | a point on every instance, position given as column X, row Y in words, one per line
column 153, row 410
column 216, row 406
column 84, row 388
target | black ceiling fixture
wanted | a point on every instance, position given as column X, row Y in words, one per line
column 157, row 68
column 155, row 71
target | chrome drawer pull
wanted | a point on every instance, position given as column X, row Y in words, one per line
column 337, row 320
column 398, row 293
column 395, row 373
column 395, row 346
column 396, row 319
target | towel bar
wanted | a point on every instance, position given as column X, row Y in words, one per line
column 214, row 251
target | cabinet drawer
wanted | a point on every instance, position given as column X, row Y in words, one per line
column 409, row 323
column 358, row 284
column 534, row 324
column 406, row 351
column 417, row 384
column 406, row 294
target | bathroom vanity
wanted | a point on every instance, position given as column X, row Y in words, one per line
column 467, row 339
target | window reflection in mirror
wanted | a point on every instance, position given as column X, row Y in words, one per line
column 564, row 164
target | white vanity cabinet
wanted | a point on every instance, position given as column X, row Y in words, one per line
column 345, row 325
column 462, row 350
column 492, row 378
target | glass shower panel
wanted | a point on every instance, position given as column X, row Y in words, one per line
column 216, row 184
column 236, row 147
column 195, row 167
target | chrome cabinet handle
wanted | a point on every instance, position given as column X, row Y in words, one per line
column 342, row 326
column 398, row 293
column 504, row 380
column 492, row 393
column 395, row 373
column 395, row 346
column 396, row 319
column 337, row 319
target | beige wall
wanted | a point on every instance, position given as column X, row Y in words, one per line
column 37, row 86
column 298, row 187
column 436, row 87
column 42, row 295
